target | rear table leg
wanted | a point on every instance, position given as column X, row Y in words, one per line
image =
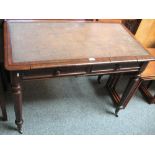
column 111, row 85
column 130, row 90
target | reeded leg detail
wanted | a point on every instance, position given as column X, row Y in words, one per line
column 17, row 94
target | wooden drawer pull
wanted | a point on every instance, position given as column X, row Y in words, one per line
column 57, row 72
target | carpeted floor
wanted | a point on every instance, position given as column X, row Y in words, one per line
column 66, row 106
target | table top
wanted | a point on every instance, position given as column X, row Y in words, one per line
column 46, row 43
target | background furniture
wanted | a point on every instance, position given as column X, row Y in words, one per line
column 2, row 103
column 148, row 75
column 146, row 33
column 131, row 24
column 146, row 36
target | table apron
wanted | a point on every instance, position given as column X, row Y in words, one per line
column 77, row 71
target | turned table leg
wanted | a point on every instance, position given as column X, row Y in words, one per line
column 17, row 94
column 4, row 113
column 130, row 90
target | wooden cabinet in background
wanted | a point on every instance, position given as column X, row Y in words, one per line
column 146, row 33
column 131, row 24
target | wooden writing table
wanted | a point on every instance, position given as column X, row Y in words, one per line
column 39, row 49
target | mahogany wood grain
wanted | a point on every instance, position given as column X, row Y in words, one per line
column 66, row 43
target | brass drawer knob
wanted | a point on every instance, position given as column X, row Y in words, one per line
column 57, row 72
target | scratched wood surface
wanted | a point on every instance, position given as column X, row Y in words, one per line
column 61, row 40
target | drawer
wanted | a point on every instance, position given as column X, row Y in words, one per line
column 55, row 72
column 115, row 67
column 71, row 70
column 79, row 70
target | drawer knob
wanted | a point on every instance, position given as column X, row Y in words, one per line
column 57, row 72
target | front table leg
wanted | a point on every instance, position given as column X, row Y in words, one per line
column 130, row 90
column 4, row 113
column 17, row 94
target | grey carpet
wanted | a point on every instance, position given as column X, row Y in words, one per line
column 66, row 106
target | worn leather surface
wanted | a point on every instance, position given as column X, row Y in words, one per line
column 57, row 41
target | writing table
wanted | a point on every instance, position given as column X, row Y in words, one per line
column 40, row 49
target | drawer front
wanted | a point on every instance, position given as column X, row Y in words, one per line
column 79, row 70
column 62, row 71
column 114, row 67
column 55, row 72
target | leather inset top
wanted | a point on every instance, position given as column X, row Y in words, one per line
column 34, row 41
